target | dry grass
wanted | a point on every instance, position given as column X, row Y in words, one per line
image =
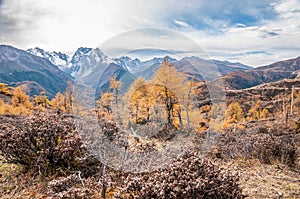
column 267, row 181
column 15, row 183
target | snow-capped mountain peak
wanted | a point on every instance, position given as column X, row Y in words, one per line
column 85, row 60
column 128, row 63
column 57, row 58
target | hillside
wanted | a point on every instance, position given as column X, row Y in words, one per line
column 287, row 69
column 17, row 67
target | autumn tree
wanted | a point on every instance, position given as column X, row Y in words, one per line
column 264, row 114
column 68, row 101
column 105, row 102
column 4, row 89
column 20, row 102
column 139, row 99
column 20, row 98
column 234, row 114
column 171, row 82
column 5, row 108
column 58, row 102
column 253, row 113
column 187, row 98
column 115, row 86
column 41, row 100
column 257, row 112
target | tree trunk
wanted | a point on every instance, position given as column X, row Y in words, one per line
column 180, row 121
column 168, row 105
column 136, row 113
column 187, row 116
column 148, row 114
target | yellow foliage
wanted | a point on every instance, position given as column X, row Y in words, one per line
column 115, row 85
column 264, row 114
column 41, row 101
column 234, row 114
column 20, row 98
column 4, row 108
column 4, row 89
column 59, row 102
column 257, row 113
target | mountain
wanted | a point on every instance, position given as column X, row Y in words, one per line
column 86, row 61
column 130, row 64
column 146, row 69
column 85, row 65
column 88, row 64
column 226, row 67
column 287, row 69
column 18, row 67
column 208, row 69
column 57, row 58
column 121, row 74
column 192, row 66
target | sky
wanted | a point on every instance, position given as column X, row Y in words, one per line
column 253, row 32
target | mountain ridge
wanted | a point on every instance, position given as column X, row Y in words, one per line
column 17, row 66
column 285, row 69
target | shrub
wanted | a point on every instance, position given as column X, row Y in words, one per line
column 189, row 177
column 43, row 142
column 266, row 145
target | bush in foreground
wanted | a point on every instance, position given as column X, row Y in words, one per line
column 43, row 142
column 266, row 146
column 189, row 177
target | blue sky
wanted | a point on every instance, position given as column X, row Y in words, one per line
column 254, row 32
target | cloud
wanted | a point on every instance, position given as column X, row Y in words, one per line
column 278, row 36
column 182, row 24
column 225, row 29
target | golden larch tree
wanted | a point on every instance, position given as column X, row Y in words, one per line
column 172, row 83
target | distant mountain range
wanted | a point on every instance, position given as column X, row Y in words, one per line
column 50, row 71
column 36, row 74
column 86, row 62
column 89, row 66
column 287, row 69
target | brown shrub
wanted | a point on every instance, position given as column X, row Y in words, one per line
column 189, row 177
column 43, row 142
column 263, row 144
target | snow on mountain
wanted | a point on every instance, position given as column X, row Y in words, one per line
column 19, row 67
column 87, row 64
column 86, row 60
column 57, row 58
column 127, row 62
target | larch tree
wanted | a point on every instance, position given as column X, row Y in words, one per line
column 20, row 102
column 4, row 108
column 137, row 96
column 254, row 112
column 4, row 89
column 41, row 100
column 172, row 82
column 20, row 98
column 115, row 86
column 234, row 114
column 105, row 102
column 58, row 102
column 264, row 114
column 186, row 99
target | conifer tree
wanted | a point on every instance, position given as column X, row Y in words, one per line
column 171, row 81
column 20, row 98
